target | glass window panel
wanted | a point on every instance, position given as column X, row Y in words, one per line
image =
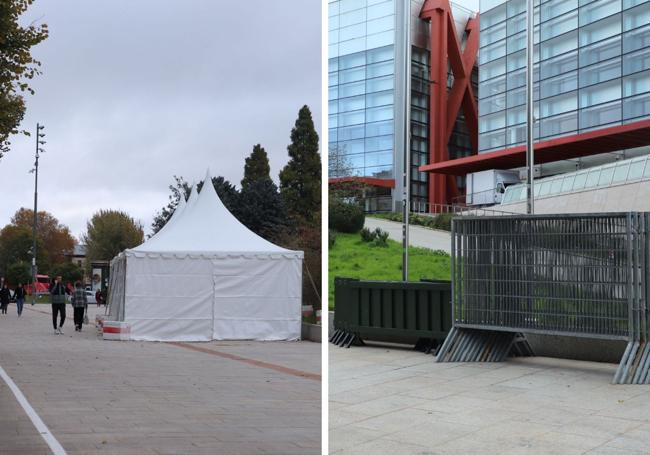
column 598, row 10
column 380, row 10
column 579, row 181
column 381, row 25
column 636, row 84
column 379, row 128
column 380, row 39
column 492, row 69
column 332, row 50
column 333, row 64
column 374, row 144
column 352, row 46
column 379, row 84
column 380, row 69
column 636, row 39
column 560, row 124
column 602, row 29
column 516, row 42
column 332, row 93
column 351, row 147
column 353, row 103
column 333, row 36
column 556, row 185
column 353, row 31
column 636, row 61
column 349, row 5
column 333, row 134
column 516, row 61
column 525, row 193
column 352, row 17
column 606, row 175
column 646, row 172
column 333, row 22
column 558, row 104
column 516, row 115
column 603, row 114
column 350, row 132
column 545, row 188
column 377, row 114
column 631, row 3
column 600, row 51
column 636, row 169
column 380, row 172
column 493, row 16
column 332, row 79
column 333, row 107
column 379, row 159
column 559, row 65
column 514, row 25
column 600, row 72
column 351, row 118
column 379, row 98
column 379, row 54
column 516, row 135
column 620, row 174
column 492, row 140
column 516, row 97
column 559, row 84
column 493, row 34
column 592, row 178
column 493, row 87
column 492, row 122
column 493, row 104
column 352, row 75
column 492, row 52
column 601, row 93
column 635, row 107
column 355, row 88
column 556, row 8
column 559, row 45
column 352, row 60
column 559, row 25
column 516, row 79
column 636, row 17
column 515, row 7
column 333, row 9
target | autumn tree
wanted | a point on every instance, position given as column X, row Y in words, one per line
column 108, row 233
column 256, row 167
column 53, row 237
column 17, row 66
column 300, row 179
column 68, row 271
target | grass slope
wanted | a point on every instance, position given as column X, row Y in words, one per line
column 352, row 258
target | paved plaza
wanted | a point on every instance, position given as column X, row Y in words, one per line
column 391, row 400
column 114, row 397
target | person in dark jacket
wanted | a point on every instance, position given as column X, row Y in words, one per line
column 80, row 305
column 19, row 294
column 5, row 295
column 58, row 292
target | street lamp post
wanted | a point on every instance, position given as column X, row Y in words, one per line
column 406, row 208
column 530, row 116
column 39, row 150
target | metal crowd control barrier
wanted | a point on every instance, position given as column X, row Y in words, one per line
column 582, row 275
column 418, row 312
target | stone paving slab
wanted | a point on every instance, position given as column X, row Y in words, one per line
column 387, row 399
column 117, row 397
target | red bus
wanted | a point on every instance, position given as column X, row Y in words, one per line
column 42, row 285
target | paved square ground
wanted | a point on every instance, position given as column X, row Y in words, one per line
column 391, row 400
column 116, row 397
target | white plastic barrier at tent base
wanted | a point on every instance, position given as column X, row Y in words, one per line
column 116, row 330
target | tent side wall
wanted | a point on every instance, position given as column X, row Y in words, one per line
column 257, row 297
column 116, row 289
column 169, row 297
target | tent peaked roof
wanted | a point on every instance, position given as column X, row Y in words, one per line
column 206, row 225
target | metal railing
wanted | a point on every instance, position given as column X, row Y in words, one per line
column 433, row 209
column 579, row 275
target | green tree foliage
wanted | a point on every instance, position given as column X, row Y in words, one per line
column 17, row 66
column 300, row 180
column 256, row 167
column 110, row 232
column 345, row 217
column 179, row 187
column 261, row 209
column 15, row 246
column 69, row 272
column 19, row 272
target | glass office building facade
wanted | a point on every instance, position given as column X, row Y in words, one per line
column 362, row 87
column 592, row 68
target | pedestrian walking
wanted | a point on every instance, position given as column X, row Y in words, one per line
column 80, row 305
column 58, row 292
column 5, row 295
column 19, row 294
column 99, row 298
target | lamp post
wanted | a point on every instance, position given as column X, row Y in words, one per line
column 530, row 118
column 39, row 150
column 406, row 209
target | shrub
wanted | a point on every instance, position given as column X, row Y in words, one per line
column 346, row 217
column 443, row 221
column 380, row 238
column 367, row 235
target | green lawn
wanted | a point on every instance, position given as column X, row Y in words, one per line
column 352, row 258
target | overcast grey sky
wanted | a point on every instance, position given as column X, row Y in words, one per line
column 134, row 92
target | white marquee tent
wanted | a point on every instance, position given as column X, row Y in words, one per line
column 205, row 276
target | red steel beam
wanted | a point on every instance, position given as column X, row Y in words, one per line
column 610, row 139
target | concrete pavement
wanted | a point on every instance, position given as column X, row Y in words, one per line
column 392, row 400
column 418, row 236
column 156, row 398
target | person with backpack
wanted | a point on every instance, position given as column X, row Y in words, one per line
column 19, row 294
column 80, row 305
column 58, row 292
column 5, row 295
